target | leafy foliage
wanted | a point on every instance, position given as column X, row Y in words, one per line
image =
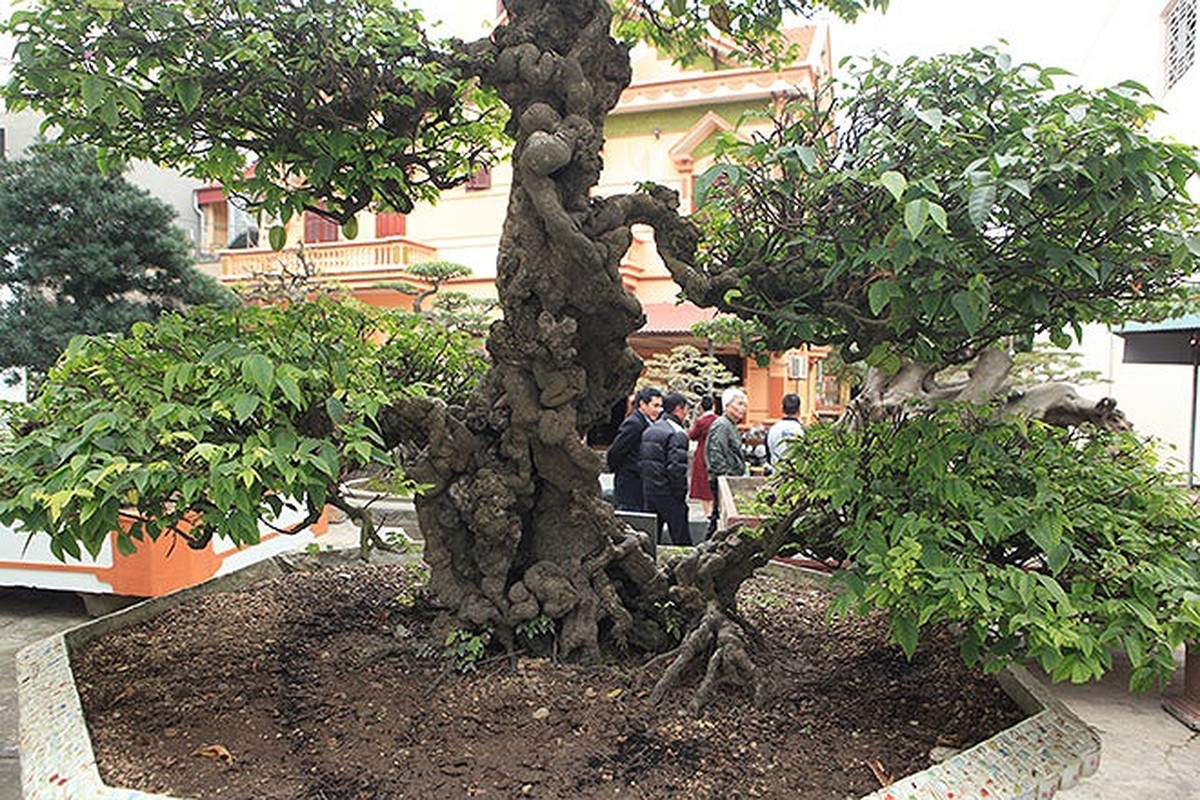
column 750, row 31
column 935, row 207
column 339, row 105
column 82, row 252
column 1037, row 542
column 208, row 421
column 464, row 649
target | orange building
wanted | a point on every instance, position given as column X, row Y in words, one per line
column 663, row 130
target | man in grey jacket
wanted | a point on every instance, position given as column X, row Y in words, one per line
column 723, row 450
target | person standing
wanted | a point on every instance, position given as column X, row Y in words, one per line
column 663, row 462
column 787, row 428
column 698, row 488
column 622, row 456
column 723, row 451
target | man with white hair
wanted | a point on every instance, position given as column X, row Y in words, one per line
column 723, row 450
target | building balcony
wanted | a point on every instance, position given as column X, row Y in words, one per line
column 354, row 264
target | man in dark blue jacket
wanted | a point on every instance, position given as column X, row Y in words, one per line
column 664, row 466
column 622, row 456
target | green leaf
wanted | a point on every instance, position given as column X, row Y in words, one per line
column 336, row 411
column 187, row 91
column 932, row 117
column 726, row 174
column 244, row 407
column 258, row 370
column 125, row 544
column 92, row 90
column 277, row 237
column 291, row 391
column 895, row 183
column 916, row 216
column 880, row 293
column 1019, row 185
column 971, row 310
column 979, row 206
column 883, row 359
column 807, row 156
column 938, row 214
column 904, row 628
column 350, row 228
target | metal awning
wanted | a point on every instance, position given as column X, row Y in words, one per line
column 1171, row 341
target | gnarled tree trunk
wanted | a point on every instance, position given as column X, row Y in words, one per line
column 514, row 522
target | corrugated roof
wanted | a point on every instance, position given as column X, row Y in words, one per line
column 1185, row 323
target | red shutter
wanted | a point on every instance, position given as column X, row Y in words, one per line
column 318, row 228
column 480, row 179
column 390, row 223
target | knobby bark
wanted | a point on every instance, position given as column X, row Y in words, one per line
column 514, row 523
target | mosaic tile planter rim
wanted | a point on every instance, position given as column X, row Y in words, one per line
column 1050, row 750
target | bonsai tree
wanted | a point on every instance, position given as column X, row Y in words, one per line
column 685, row 369
column 376, row 114
column 84, row 252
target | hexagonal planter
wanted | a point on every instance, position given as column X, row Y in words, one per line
column 1049, row 751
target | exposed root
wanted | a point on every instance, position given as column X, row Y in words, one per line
column 721, row 640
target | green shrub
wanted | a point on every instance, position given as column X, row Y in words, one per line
column 1037, row 542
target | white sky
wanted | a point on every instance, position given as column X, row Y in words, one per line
column 1073, row 34
column 1052, row 32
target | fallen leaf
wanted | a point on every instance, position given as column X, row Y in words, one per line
column 214, row 751
column 882, row 775
column 615, row 693
column 541, row 713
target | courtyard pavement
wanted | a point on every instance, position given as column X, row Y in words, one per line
column 1145, row 753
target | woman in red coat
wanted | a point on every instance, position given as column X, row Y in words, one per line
column 698, row 488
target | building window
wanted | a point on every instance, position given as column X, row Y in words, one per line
column 480, row 179
column 390, row 223
column 318, row 228
column 1181, row 39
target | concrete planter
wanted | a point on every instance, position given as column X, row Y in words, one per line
column 1049, row 751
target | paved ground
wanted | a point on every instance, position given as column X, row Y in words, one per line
column 1146, row 754
column 25, row 616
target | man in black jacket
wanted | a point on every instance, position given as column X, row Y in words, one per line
column 664, row 466
column 622, row 456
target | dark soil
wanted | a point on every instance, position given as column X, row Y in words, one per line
column 282, row 692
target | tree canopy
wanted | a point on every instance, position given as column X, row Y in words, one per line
column 934, row 208
column 319, row 105
column 84, row 253
column 209, row 420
